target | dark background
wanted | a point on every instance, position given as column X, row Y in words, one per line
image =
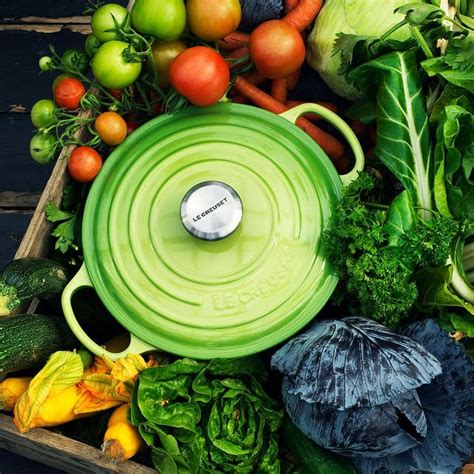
column 27, row 27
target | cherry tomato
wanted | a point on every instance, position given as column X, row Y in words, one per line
column 163, row 54
column 59, row 78
column 91, row 45
column 75, row 60
column 43, row 147
column 103, row 20
column 43, row 113
column 201, row 74
column 111, row 128
column 213, row 19
column 163, row 19
column 111, row 68
column 68, row 93
column 84, row 164
column 46, row 63
column 277, row 49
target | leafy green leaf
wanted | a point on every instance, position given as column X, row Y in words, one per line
column 208, row 416
column 403, row 138
column 54, row 214
column 419, row 13
column 457, row 64
column 434, row 287
column 400, row 218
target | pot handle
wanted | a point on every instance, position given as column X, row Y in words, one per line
column 81, row 280
column 334, row 119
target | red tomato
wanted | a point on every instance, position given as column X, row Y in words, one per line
column 84, row 164
column 111, row 128
column 213, row 19
column 68, row 93
column 201, row 74
column 277, row 49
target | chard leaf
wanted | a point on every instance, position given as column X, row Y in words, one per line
column 401, row 218
column 463, row 323
column 454, row 161
column 353, row 362
column 403, row 138
column 434, row 285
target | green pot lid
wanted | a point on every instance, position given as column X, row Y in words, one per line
column 225, row 296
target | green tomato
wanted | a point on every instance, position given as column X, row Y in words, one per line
column 110, row 67
column 75, row 60
column 91, row 45
column 103, row 20
column 46, row 63
column 164, row 20
column 43, row 113
column 42, row 147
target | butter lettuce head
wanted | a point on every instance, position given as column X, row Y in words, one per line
column 358, row 17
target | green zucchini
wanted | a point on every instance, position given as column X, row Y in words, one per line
column 26, row 278
column 29, row 339
column 311, row 458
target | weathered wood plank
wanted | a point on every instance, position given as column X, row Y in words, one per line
column 22, row 83
column 12, row 229
column 10, row 200
column 14, row 9
column 20, row 173
column 61, row 452
column 63, row 19
column 46, row 28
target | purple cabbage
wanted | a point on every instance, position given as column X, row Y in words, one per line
column 448, row 403
column 350, row 385
column 353, row 362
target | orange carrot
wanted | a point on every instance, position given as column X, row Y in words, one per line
column 333, row 147
column 240, row 99
column 303, row 14
column 359, row 129
column 254, row 78
column 293, row 80
column 312, row 116
column 289, row 5
column 280, row 89
column 238, row 55
column 234, row 41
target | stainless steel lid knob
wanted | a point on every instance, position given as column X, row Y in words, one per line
column 211, row 210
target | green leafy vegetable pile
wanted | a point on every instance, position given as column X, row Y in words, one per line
column 418, row 91
column 377, row 251
column 208, row 417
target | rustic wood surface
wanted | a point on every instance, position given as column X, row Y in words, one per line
column 56, row 450
column 26, row 29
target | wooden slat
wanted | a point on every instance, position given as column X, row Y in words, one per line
column 12, row 229
column 18, row 201
column 45, row 28
column 20, row 173
column 12, row 10
column 61, row 452
column 63, row 19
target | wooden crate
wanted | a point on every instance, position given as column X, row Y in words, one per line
column 42, row 445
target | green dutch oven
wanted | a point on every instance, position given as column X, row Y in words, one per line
column 202, row 234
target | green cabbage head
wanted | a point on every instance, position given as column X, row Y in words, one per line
column 358, row 17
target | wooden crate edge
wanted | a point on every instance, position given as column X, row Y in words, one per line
column 61, row 452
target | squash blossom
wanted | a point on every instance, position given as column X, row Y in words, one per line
column 63, row 391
